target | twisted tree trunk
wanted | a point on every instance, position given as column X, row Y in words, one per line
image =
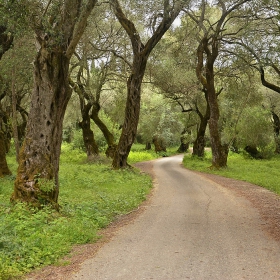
column 88, row 136
column 141, row 54
column 37, row 178
column 110, row 151
column 132, row 112
column 199, row 143
column 219, row 151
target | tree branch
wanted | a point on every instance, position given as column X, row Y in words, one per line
column 80, row 27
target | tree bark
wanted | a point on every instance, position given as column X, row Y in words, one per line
column 4, row 169
column 148, row 146
column 276, row 127
column 199, row 143
column 110, row 151
column 37, row 178
column 132, row 112
column 39, row 155
column 141, row 54
column 183, row 146
column 88, row 136
column 219, row 151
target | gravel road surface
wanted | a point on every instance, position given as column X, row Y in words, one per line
column 192, row 228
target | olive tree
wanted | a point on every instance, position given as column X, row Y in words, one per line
column 58, row 27
column 215, row 22
column 160, row 23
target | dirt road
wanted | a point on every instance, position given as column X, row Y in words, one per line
column 192, row 228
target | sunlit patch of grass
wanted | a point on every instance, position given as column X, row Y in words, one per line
column 264, row 173
column 138, row 153
column 141, row 156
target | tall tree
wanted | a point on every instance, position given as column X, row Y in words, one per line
column 58, row 26
column 212, row 29
column 141, row 51
column 174, row 75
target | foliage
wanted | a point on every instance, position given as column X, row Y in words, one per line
column 264, row 173
column 91, row 196
column 158, row 117
column 255, row 128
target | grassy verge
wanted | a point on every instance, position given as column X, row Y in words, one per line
column 91, row 196
column 264, row 173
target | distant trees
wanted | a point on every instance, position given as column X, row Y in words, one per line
column 161, row 123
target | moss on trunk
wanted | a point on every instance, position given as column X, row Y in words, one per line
column 37, row 178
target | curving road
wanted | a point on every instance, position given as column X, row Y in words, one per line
column 192, row 229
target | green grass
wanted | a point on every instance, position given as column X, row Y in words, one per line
column 264, row 173
column 138, row 153
column 91, row 196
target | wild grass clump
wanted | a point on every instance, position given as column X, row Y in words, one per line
column 264, row 172
column 91, row 196
column 141, row 156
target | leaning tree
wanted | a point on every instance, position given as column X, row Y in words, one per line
column 160, row 22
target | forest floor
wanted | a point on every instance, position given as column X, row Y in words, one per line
column 265, row 202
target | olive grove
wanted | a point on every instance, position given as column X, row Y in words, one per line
column 207, row 72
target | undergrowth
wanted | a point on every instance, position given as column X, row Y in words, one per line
column 91, row 196
column 264, row 173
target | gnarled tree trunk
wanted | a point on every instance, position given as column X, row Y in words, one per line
column 110, row 151
column 132, row 112
column 37, row 178
column 219, row 151
column 184, row 146
column 141, row 54
column 148, row 146
column 199, row 143
column 88, row 136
